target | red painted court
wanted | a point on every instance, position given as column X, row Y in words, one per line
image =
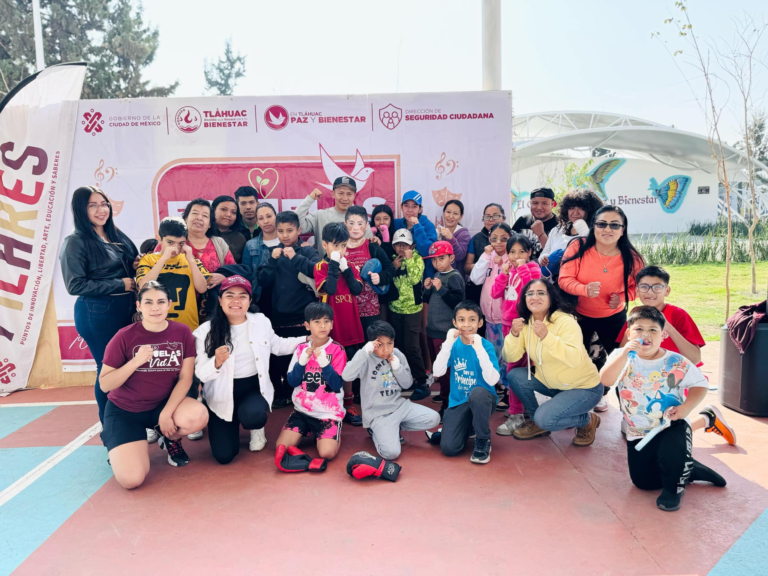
column 539, row 507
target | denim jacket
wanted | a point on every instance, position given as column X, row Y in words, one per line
column 255, row 255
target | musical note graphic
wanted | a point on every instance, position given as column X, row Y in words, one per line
column 101, row 173
column 441, row 166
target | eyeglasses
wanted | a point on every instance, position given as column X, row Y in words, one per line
column 613, row 225
column 105, row 205
column 493, row 217
column 539, row 293
column 498, row 239
column 658, row 288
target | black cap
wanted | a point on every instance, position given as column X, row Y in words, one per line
column 349, row 183
column 543, row 193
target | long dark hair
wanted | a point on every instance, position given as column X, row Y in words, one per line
column 388, row 211
column 629, row 254
column 583, row 198
column 214, row 205
column 220, row 333
column 83, row 226
column 556, row 301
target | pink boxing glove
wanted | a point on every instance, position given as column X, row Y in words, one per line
column 384, row 230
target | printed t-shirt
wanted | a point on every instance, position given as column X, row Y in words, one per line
column 683, row 323
column 177, row 277
column 648, row 387
column 313, row 397
column 466, row 372
column 347, row 329
column 153, row 381
column 367, row 300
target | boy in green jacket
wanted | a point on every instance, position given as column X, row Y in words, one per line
column 406, row 310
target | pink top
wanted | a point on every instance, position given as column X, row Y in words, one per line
column 508, row 288
column 490, row 306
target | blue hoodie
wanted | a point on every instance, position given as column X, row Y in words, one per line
column 424, row 235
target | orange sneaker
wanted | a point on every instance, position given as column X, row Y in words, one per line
column 717, row 424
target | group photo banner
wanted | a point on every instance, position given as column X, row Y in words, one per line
column 152, row 156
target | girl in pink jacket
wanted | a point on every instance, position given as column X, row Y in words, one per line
column 507, row 288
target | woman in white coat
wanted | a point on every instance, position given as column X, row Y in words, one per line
column 232, row 362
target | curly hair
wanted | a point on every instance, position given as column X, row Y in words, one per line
column 583, row 198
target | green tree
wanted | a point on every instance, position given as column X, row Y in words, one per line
column 574, row 176
column 109, row 35
column 221, row 77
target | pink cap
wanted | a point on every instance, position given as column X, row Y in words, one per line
column 233, row 281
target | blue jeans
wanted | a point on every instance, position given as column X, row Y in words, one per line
column 98, row 319
column 566, row 409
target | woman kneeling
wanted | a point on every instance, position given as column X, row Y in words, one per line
column 147, row 373
column 552, row 338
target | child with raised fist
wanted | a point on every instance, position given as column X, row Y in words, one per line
column 384, row 373
column 474, row 373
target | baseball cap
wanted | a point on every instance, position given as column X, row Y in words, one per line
column 440, row 248
column 403, row 235
column 412, row 195
column 233, row 281
column 345, row 181
column 543, row 193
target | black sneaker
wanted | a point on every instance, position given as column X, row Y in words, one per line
column 482, row 452
column 668, row 501
column 176, row 454
column 278, row 403
column 356, row 399
column 420, row 391
column 703, row 473
column 402, row 440
column 434, row 437
column 437, row 399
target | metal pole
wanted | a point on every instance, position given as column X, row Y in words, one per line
column 491, row 44
column 39, row 55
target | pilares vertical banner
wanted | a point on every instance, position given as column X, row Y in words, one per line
column 37, row 129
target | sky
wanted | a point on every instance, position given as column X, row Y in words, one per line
column 595, row 55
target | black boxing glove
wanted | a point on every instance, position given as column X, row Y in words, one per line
column 291, row 459
column 363, row 464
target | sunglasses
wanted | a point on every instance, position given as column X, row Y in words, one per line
column 613, row 225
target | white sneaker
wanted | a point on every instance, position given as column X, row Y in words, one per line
column 152, row 435
column 195, row 435
column 602, row 406
column 258, row 440
column 430, row 379
column 513, row 422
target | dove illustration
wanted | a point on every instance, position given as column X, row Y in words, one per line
column 277, row 121
column 599, row 176
column 360, row 173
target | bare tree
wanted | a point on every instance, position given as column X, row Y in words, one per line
column 738, row 61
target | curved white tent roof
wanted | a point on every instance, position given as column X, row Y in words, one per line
column 536, row 135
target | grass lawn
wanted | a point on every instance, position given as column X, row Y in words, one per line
column 700, row 290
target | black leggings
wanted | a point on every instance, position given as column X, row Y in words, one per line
column 607, row 330
column 250, row 410
column 665, row 462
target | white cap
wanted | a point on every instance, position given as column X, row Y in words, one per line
column 403, row 235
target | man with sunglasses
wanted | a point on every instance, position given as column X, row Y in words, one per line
column 538, row 224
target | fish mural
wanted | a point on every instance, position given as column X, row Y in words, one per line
column 600, row 175
column 671, row 192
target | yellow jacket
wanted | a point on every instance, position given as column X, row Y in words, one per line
column 561, row 361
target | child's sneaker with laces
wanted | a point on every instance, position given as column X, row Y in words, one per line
column 352, row 417
column 513, row 422
column 482, row 452
column 176, row 454
column 717, row 424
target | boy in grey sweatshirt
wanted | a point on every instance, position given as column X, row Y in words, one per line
column 383, row 372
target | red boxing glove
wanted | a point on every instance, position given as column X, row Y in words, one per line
column 291, row 459
column 364, row 464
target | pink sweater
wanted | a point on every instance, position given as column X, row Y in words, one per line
column 509, row 287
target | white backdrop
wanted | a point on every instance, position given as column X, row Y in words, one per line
column 629, row 186
column 151, row 156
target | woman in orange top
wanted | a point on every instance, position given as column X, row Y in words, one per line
column 600, row 270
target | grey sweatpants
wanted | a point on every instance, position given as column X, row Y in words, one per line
column 409, row 416
column 477, row 411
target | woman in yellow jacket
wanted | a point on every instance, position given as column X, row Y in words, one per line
column 552, row 338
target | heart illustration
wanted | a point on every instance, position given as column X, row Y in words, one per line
column 443, row 195
column 263, row 182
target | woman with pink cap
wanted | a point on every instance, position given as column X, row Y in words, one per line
column 233, row 350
